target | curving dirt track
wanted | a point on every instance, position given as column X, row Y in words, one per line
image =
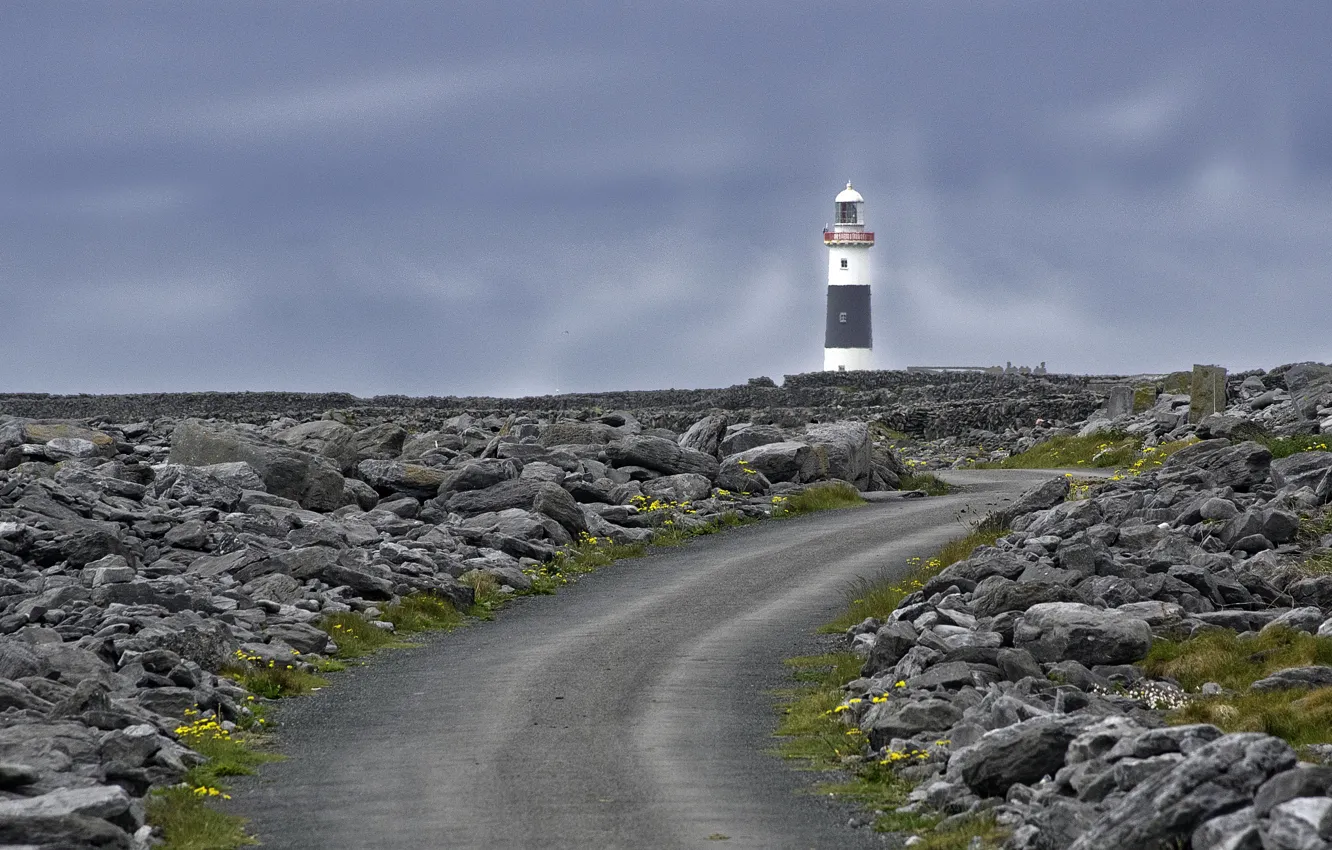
column 631, row 710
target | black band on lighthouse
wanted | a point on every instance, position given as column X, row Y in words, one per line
column 848, row 317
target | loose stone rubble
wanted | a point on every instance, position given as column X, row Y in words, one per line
column 1006, row 683
column 141, row 549
column 137, row 558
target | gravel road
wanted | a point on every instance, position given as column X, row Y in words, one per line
column 631, row 710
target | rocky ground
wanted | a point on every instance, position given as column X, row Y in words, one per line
column 139, row 559
column 142, row 550
column 1007, row 684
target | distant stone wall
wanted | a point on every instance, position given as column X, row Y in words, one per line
column 923, row 404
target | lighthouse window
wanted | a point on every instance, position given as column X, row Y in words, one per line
column 841, row 317
column 844, row 265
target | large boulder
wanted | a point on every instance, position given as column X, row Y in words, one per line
column 1039, row 498
column 842, row 450
column 1058, row 631
column 409, row 479
column 661, row 455
column 746, row 436
column 1305, row 469
column 1021, row 753
column 577, row 433
column 478, row 475
column 1243, row 466
column 324, row 437
column 785, row 461
column 62, row 438
column 685, row 487
column 908, row 718
column 379, row 442
column 191, row 485
column 290, row 473
column 517, row 493
column 554, row 501
column 1309, row 384
column 996, row 594
column 706, row 434
column 1214, row 779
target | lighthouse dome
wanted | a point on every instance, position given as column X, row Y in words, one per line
column 849, row 196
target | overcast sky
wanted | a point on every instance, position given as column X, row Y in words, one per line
column 439, row 197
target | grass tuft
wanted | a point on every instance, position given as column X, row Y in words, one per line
column 1220, row 656
column 1300, row 717
column 188, row 823
column 932, row 484
column 273, row 681
column 355, row 636
column 423, row 612
column 1286, row 446
column 1102, row 451
column 819, row 497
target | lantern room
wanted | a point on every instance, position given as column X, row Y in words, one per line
column 849, row 204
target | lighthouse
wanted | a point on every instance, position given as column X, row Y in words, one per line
column 847, row 341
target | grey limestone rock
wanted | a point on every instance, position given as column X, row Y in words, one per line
column 661, row 455
column 784, row 461
column 577, row 433
column 379, row 442
column 706, row 434
column 1054, row 631
column 1243, row 466
column 996, row 595
column 1303, row 781
column 191, row 485
column 1235, row 831
column 309, row 479
column 746, row 436
column 907, row 718
column 1215, row 779
column 685, row 487
column 841, row 450
column 1021, row 753
column 1302, row 823
column 1038, row 498
column 1295, row 677
column 325, row 437
column 555, row 502
column 514, row 493
column 1305, row 469
column 390, row 477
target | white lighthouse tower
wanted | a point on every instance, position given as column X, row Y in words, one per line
column 848, row 341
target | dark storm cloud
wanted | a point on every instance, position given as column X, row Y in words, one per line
column 437, row 198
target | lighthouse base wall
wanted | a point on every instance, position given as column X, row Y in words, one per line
column 847, row 359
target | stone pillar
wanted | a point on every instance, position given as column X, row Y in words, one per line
column 1119, row 402
column 1207, row 392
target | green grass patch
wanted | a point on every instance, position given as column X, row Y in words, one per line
column 964, row 835
column 1100, row 451
column 807, row 725
column 1300, row 717
column 272, row 680
column 423, row 612
column 1286, row 446
column 932, row 484
column 189, row 823
column 1221, row 656
column 182, row 811
column 819, row 497
column 673, row 533
column 355, row 636
column 879, row 597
